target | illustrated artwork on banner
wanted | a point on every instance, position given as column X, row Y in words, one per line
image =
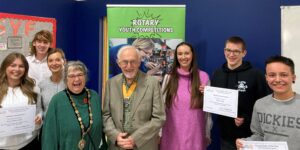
column 146, row 25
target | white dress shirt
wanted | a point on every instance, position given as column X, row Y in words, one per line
column 38, row 70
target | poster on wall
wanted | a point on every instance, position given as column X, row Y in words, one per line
column 152, row 29
column 17, row 32
column 290, row 37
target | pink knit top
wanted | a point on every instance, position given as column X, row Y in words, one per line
column 184, row 128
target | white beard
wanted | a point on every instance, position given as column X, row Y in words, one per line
column 130, row 75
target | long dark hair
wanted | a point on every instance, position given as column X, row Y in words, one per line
column 172, row 85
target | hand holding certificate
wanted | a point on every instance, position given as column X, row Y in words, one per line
column 221, row 101
column 17, row 120
column 264, row 145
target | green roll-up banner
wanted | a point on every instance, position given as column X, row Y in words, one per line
column 155, row 30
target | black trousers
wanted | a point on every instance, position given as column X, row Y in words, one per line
column 33, row 145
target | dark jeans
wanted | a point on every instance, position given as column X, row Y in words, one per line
column 227, row 145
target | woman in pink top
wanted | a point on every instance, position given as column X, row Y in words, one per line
column 187, row 127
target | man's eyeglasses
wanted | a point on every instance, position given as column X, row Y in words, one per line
column 234, row 52
column 126, row 62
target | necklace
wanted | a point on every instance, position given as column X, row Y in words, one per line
column 81, row 143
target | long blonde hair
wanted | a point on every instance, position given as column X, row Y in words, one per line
column 26, row 84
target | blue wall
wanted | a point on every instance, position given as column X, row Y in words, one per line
column 208, row 24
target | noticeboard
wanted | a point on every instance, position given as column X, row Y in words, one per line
column 17, row 32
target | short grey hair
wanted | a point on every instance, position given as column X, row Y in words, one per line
column 75, row 65
column 122, row 49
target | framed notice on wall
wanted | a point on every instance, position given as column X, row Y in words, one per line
column 17, row 32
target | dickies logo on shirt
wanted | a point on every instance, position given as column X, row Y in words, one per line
column 242, row 86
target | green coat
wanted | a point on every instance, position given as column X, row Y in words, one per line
column 61, row 129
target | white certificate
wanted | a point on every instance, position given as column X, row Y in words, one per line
column 17, row 120
column 221, row 101
column 264, row 145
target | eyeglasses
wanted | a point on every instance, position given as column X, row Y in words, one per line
column 73, row 76
column 234, row 52
column 148, row 52
column 126, row 62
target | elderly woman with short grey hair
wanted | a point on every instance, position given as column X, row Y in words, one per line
column 73, row 120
